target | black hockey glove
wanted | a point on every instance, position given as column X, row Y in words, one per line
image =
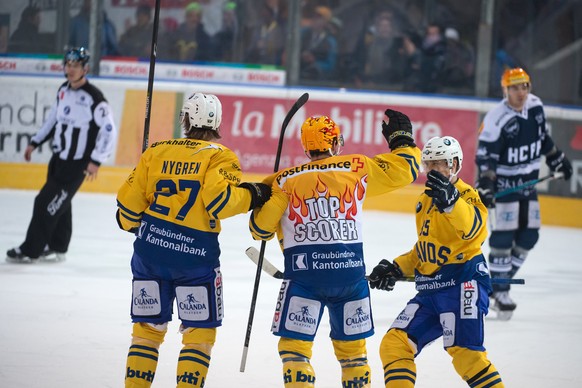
column 486, row 188
column 398, row 131
column 384, row 275
column 443, row 193
column 558, row 162
column 260, row 193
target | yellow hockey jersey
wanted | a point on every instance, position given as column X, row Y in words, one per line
column 316, row 211
column 448, row 250
column 176, row 196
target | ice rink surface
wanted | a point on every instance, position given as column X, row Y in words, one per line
column 67, row 325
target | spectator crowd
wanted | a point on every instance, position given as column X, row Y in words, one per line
column 366, row 44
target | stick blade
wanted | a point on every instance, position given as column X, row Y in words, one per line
column 253, row 254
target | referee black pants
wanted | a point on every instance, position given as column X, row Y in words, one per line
column 52, row 218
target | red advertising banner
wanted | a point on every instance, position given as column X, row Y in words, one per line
column 251, row 127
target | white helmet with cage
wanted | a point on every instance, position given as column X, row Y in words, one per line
column 204, row 111
column 443, row 148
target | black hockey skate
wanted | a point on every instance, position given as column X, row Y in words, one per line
column 15, row 255
column 503, row 305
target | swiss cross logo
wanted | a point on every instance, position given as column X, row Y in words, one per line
column 357, row 164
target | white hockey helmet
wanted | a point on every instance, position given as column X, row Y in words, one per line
column 204, row 111
column 443, row 148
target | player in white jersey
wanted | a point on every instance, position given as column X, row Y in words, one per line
column 512, row 139
column 316, row 212
column 451, row 276
column 83, row 135
column 174, row 201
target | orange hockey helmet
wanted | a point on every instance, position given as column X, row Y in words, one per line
column 514, row 76
column 320, row 134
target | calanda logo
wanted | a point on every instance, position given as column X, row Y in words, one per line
column 144, row 299
column 191, row 304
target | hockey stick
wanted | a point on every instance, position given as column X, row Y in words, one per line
column 296, row 106
column 153, row 54
column 269, row 268
column 553, row 175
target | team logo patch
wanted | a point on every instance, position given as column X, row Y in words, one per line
column 142, row 228
column 192, row 303
column 299, row 262
column 303, row 315
column 448, row 325
column 279, row 307
column 418, row 207
column 469, row 296
column 405, row 317
column 146, row 298
column 357, row 317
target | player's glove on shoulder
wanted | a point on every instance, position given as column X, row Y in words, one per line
column 486, row 189
column 557, row 162
column 260, row 193
column 384, row 275
column 398, row 130
column 443, row 193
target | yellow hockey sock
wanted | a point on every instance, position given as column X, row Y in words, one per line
column 142, row 358
column 352, row 356
column 297, row 371
column 194, row 357
column 397, row 355
column 474, row 367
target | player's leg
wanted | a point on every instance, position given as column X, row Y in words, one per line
column 353, row 358
column 462, row 311
column 194, row 357
column 474, row 367
column 200, row 309
column 44, row 218
column 151, row 309
column 527, row 235
column 54, row 199
column 351, row 322
column 296, row 319
column 397, row 353
column 142, row 358
column 501, row 242
column 414, row 328
column 297, row 370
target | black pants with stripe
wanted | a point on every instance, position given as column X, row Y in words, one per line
column 52, row 217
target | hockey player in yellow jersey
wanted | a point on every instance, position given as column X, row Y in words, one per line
column 451, row 276
column 173, row 201
column 316, row 211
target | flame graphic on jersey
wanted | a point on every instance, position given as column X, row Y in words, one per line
column 349, row 197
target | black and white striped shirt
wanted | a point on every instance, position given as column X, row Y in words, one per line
column 80, row 124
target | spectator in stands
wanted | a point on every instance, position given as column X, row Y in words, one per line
column 4, row 32
column 79, row 31
column 267, row 39
column 26, row 38
column 318, row 47
column 433, row 59
column 459, row 61
column 190, row 42
column 227, row 37
column 410, row 52
column 136, row 41
column 378, row 52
